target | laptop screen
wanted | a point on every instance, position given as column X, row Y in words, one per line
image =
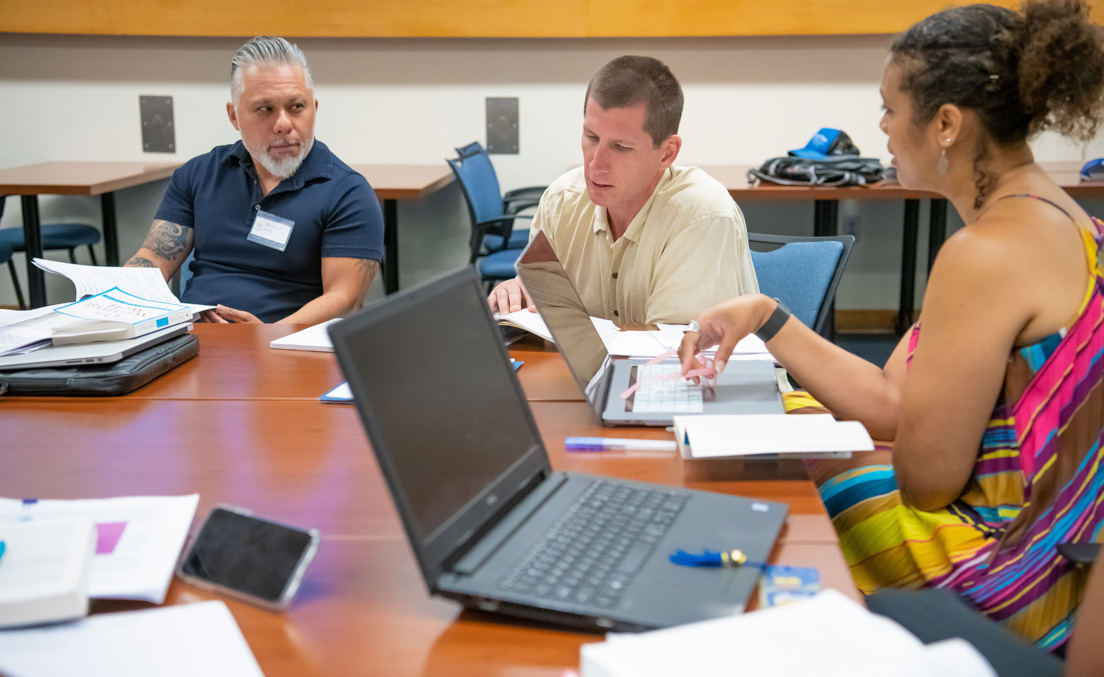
column 442, row 407
column 564, row 312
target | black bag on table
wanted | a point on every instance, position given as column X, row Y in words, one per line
column 117, row 378
column 829, row 159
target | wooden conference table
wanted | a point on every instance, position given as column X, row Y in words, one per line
column 241, row 424
column 391, row 183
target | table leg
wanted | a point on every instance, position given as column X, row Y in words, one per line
column 826, row 224
column 937, row 229
column 390, row 246
column 32, row 240
column 826, row 218
column 908, row 266
column 110, row 228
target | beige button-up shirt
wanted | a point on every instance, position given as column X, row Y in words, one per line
column 686, row 250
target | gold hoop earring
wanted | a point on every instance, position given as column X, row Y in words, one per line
column 942, row 165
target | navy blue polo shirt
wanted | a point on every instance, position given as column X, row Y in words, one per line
column 218, row 195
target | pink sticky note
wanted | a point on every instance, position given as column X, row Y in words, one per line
column 108, row 535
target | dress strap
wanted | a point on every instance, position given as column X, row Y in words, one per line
column 1041, row 199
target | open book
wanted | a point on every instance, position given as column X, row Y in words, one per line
column 115, row 315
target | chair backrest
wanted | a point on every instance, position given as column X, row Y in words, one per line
column 479, row 183
column 476, row 174
column 185, row 272
column 803, row 272
column 5, row 252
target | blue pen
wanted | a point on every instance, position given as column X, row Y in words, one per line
column 2, row 548
column 612, row 443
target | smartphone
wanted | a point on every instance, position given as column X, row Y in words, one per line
column 253, row 559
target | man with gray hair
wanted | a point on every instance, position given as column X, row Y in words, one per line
column 282, row 230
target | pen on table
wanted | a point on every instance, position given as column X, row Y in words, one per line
column 614, row 443
column 2, row 548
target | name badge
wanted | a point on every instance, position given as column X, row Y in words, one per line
column 271, row 230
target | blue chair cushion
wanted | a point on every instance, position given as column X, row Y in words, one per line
column 54, row 236
column 5, row 252
column 518, row 240
column 803, row 293
column 499, row 266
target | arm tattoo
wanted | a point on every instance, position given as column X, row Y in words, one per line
column 368, row 268
column 140, row 262
column 167, row 240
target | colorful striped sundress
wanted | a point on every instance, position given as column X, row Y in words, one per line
column 1036, row 483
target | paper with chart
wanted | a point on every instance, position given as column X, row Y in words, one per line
column 183, row 640
column 147, row 283
column 139, row 539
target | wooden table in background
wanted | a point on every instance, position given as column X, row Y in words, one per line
column 826, row 212
column 400, row 182
column 73, row 178
column 240, row 424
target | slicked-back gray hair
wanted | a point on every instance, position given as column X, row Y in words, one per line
column 265, row 50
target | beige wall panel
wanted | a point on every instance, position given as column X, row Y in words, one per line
column 469, row 18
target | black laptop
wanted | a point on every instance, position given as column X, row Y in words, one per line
column 490, row 523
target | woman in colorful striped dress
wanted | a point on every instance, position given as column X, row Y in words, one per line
column 993, row 405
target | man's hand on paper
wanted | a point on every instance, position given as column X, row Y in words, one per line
column 226, row 315
column 510, row 296
column 723, row 325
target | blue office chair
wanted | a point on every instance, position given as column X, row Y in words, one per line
column 493, row 241
column 803, row 272
column 55, row 236
column 6, row 257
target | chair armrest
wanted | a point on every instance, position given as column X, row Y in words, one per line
column 522, row 198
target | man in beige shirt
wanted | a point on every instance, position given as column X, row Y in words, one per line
column 642, row 240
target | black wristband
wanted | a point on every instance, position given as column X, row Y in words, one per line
column 774, row 322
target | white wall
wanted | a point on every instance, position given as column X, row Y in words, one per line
column 412, row 101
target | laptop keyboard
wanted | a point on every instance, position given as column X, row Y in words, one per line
column 595, row 550
column 674, row 395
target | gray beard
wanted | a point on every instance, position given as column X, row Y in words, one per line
column 286, row 167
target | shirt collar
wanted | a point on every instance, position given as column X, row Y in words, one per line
column 317, row 165
column 633, row 232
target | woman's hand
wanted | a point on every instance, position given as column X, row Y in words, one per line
column 724, row 325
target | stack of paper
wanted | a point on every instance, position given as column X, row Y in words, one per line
column 750, row 435
column 316, row 338
column 138, row 539
column 24, row 331
column 189, row 639
column 828, row 636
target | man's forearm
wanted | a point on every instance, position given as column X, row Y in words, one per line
column 342, row 296
column 326, row 307
column 166, row 246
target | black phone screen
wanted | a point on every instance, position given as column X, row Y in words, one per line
column 247, row 554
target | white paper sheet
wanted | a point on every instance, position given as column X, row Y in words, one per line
column 828, row 635
column 147, row 283
column 667, row 337
column 726, row 436
column 314, row 338
column 139, row 564
column 177, row 641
